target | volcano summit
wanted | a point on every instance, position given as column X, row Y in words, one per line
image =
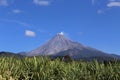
column 60, row 45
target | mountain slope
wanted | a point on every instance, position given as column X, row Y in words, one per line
column 22, row 53
column 9, row 54
column 86, row 54
column 56, row 44
column 61, row 46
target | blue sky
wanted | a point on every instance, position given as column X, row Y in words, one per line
column 27, row 24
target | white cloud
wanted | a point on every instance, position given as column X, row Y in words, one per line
column 93, row 2
column 41, row 2
column 3, row 2
column 61, row 33
column 113, row 4
column 30, row 33
column 112, row 0
column 100, row 11
column 16, row 11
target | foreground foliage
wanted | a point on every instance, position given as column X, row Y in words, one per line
column 41, row 68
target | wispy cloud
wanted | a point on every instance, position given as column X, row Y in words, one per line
column 3, row 2
column 17, row 22
column 93, row 2
column 107, row 5
column 16, row 11
column 80, row 33
column 100, row 11
column 30, row 33
column 113, row 4
column 41, row 2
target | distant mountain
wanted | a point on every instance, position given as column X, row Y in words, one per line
column 86, row 54
column 22, row 53
column 115, row 56
column 9, row 54
column 56, row 44
column 59, row 45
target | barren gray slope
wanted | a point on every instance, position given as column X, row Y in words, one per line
column 56, row 44
column 61, row 46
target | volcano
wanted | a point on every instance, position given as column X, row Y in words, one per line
column 60, row 45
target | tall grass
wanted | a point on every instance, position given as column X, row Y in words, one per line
column 42, row 68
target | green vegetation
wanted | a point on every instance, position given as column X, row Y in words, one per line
column 39, row 68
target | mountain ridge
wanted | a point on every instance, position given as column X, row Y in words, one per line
column 10, row 54
column 59, row 45
column 56, row 44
